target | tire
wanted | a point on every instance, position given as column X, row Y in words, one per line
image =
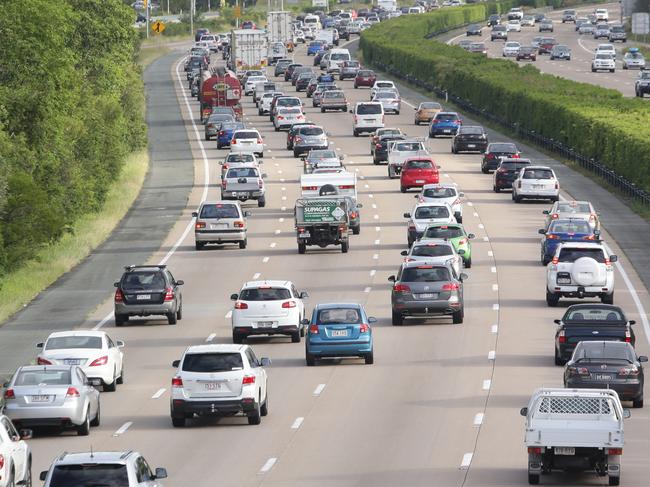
column 417, row 122
column 207, row 137
column 302, row 248
column 295, row 154
column 261, row 203
column 171, row 318
column 495, row 189
column 355, row 133
column 402, row 189
column 110, row 387
column 614, row 480
column 237, row 338
column 243, row 243
column 397, row 112
column 178, row 422
column 120, row 379
column 517, row 199
column 322, row 110
column 637, row 403
column 558, row 359
column 345, row 246
column 121, row 320
column 468, row 263
column 457, row 317
column 485, row 170
column 552, row 299
column 179, row 312
column 11, row 481
column 199, row 245
column 356, row 87
column 295, row 337
column 27, row 480
column 369, row 358
column 533, row 478
column 453, row 150
column 98, row 418
column 264, row 410
column 607, row 299
column 84, row 429
column 262, row 155
column 356, row 230
column 256, row 416
column 397, row 319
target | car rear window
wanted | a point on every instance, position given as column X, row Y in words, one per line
column 369, row 109
column 134, row 281
column 313, row 131
column 102, row 474
column 439, row 193
column 430, row 106
column 593, row 314
column 446, row 116
column 569, row 227
column 407, row 147
column 443, row 232
column 503, row 148
column 384, row 84
column 265, row 294
column 240, row 157
column 597, row 352
column 513, row 166
column 431, row 250
column 219, row 211
column 471, row 130
column 290, row 111
column 241, row 172
column 322, row 154
column 59, row 343
column 427, row 212
column 573, row 207
column 425, row 274
column 538, row 174
column 571, row 255
column 40, row 377
column 212, row 362
column 246, row 135
column 423, row 164
column 338, row 316
column 365, row 73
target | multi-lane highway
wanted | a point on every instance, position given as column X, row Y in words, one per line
column 440, row 405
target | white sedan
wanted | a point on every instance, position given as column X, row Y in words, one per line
column 425, row 213
column 511, row 49
column 15, row 467
column 247, row 140
column 513, row 25
column 94, row 351
column 249, row 87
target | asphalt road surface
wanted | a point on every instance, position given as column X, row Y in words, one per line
column 440, row 406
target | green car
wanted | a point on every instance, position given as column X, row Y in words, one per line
column 456, row 234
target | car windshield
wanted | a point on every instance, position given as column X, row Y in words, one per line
column 538, row 174
column 573, row 207
column 603, row 352
column 240, row 157
column 427, row 212
column 42, row 377
column 384, row 84
column 212, row 362
column 503, row 148
column 569, row 227
column 289, row 102
column 339, row 316
column 312, row 131
column 425, row 273
column 439, row 192
column 593, row 314
column 340, row 56
column 81, row 341
column 265, row 294
column 573, row 254
column 420, row 164
column 333, row 94
column 242, row 172
column 91, row 474
column 219, row 211
column 431, row 250
column 443, row 232
column 369, row 109
column 634, row 55
column 134, row 281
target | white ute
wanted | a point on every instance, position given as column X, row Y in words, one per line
column 401, row 150
column 574, row 429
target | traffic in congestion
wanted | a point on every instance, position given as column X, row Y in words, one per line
column 366, row 287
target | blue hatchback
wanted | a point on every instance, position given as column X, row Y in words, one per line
column 226, row 131
column 339, row 330
column 564, row 230
column 444, row 123
column 314, row 47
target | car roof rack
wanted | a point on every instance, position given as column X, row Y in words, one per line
column 125, row 455
column 132, row 267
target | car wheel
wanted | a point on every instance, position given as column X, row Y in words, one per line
column 178, row 422
column 396, row 112
column 356, row 230
column 607, row 298
column 417, row 122
column 485, row 170
column 533, row 478
column 256, row 416
column 495, row 189
column 237, row 338
column 468, row 263
column 171, row 318
column 261, row 203
column 199, row 245
column 345, row 246
column 179, row 312
column 264, row 410
column 27, row 481
column 397, row 319
column 296, row 154
column 552, row 299
column 310, row 359
column 261, row 155
column 98, row 417
column 432, row 135
column 207, row 137
column 11, row 480
column 295, row 337
column 458, row 316
column 112, row 386
column 402, row 189
column 322, row 110
column 637, row 403
column 121, row 320
column 369, row 358
column 558, row 359
column 516, row 199
column 355, row 133
column 242, row 244
column 84, row 429
column 356, row 87
column 120, row 379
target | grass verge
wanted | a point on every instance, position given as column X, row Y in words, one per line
column 21, row 286
column 147, row 56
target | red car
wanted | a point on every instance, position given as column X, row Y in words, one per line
column 417, row 172
column 365, row 77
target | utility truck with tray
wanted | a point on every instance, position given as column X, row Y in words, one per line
column 401, row 150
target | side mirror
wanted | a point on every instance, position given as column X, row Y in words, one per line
column 40, row 345
column 643, row 358
column 471, row 236
column 342, row 157
column 557, row 322
column 42, row 476
column 541, row 231
column 523, row 411
column 461, row 195
column 95, row 382
column 404, row 253
column 180, row 282
column 545, row 212
column 116, row 284
column 265, row 362
column 359, row 205
column 631, row 322
column 304, row 321
column 351, row 111
column 372, row 319
column 119, row 343
column 195, row 214
column 234, row 297
column 461, row 252
column 626, row 414
column 161, row 473
column 407, row 215
column 264, row 176
column 26, row 434
column 391, row 278
column 613, row 258
column 176, row 363
column 247, row 213
column 303, row 295
column 463, row 276
column 416, row 196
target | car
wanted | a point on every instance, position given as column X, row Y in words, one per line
column 281, row 66
column 445, row 193
column 293, row 130
column 601, row 30
column 251, row 81
column 546, row 25
column 270, row 307
column 368, row 117
column 286, row 117
column 546, row 45
column 303, row 80
column 536, row 182
column 318, row 93
column 539, row 17
column 380, row 132
column 465, row 44
column 220, row 222
column 473, row 30
column 535, row 42
column 247, row 140
column 469, row 138
column 564, row 230
column 569, row 16
column 515, row 13
column 333, row 100
column 424, row 214
column 507, row 172
column 582, row 210
column 606, row 49
column 580, row 270
column 301, row 71
column 513, row 25
column 382, row 85
column 607, row 365
column 237, row 159
column 588, row 322
column 390, row 100
column 586, row 28
column 224, row 136
column 123, row 468
column 314, row 46
column 380, row 150
column 349, row 69
column 633, row 59
column 338, row 330
column 579, row 21
column 478, row 48
column 454, row 233
column 526, row 53
column 219, row 380
column 321, row 159
column 98, row 355
column 423, row 290
column 365, row 77
column 53, row 395
column 642, row 84
column 425, row 111
column 244, row 182
column 560, row 51
column 617, row 33
column 288, row 71
column 417, row 172
column 601, row 14
column 510, row 49
column 445, row 123
column 308, row 138
column 213, row 124
column 16, row 455
column 603, row 62
column 495, row 152
column 528, row 21
column 434, row 251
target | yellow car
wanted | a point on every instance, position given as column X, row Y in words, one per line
column 426, row 111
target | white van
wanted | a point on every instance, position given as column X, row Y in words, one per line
column 336, row 59
column 312, row 21
column 368, row 117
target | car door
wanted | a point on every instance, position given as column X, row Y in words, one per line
column 301, row 305
column 258, row 371
column 91, row 392
column 17, row 448
column 114, row 355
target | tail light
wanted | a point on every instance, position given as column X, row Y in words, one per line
column 211, row 125
column 557, row 185
column 240, row 305
column 356, row 119
column 377, row 146
column 353, row 214
column 501, row 171
column 177, row 382
column 555, row 260
column 260, row 184
column 9, row 394
column 43, row 361
column 561, row 337
column 578, row 371
column 2, row 462
column 310, row 188
column 515, row 156
column 382, row 119
column 401, row 288
column 552, row 236
column 223, row 184
column 221, row 133
column 608, row 263
column 238, row 224
column 297, row 140
column 615, row 451
column 119, row 296
column 628, row 371
column 519, row 184
column 313, row 329
column 100, row 361
column 233, row 141
column 248, row 379
column 301, row 229
column 450, row 286
column 280, row 117
column 169, row 294
column 589, row 237
column 490, row 156
column 289, row 304
column 72, row 392
column 434, row 121
column 535, row 450
column 628, row 335
column 364, row 328
column 199, row 225
column 458, row 121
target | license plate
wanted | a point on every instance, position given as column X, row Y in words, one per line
column 142, row 297
column 339, row 333
column 264, row 324
column 212, row 386
column 419, row 181
column 564, row 450
column 602, row 377
column 304, row 235
column 538, row 186
column 564, row 280
column 72, row 361
column 216, row 226
column 428, row 295
column 471, row 146
column 40, row 398
column 447, row 131
column 236, row 193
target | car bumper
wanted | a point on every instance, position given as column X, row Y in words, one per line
column 338, row 106
column 368, row 128
column 426, row 308
column 503, row 183
column 580, row 291
column 145, row 309
column 471, row 146
column 216, row 407
column 538, row 194
column 65, row 415
column 443, row 131
column 306, row 148
column 341, row 348
column 276, row 329
column 242, row 195
column 627, row 390
column 219, row 236
column 366, row 84
column 392, row 107
column 256, row 149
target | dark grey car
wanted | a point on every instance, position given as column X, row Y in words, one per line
column 422, row 290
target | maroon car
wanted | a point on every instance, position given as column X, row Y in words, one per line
column 365, row 77
column 546, row 45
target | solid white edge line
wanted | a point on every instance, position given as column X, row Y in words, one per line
column 493, row 269
column 495, row 287
column 495, row 307
column 297, row 423
column 319, row 389
column 373, row 272
column 211, row 337
column 466, row 461
column 367, row 290
column 268, row 465
column 159, row 393
column 123, row 428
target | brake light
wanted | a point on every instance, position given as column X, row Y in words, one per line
column 557, row 185
column 458, row 121
column 346, row 186
column 119, row 297
column 552, row 236
column 377, row 146
column 313, row 329
column 280, row 117
column 535, row 450
column 608, row 263
column 450, row 286
column 555, row 260
column 177, row 382
column 519, row 184
column 248, row 379
column 310, row 188
column 100, row 361
column 289, row 304
column 353, row 214
column 356, row 119
column 628, row 335
column 462, row 241
column 578, row 371
column 9, row 394
column 561, row 337
column 260, row 184
column 589, row 237
column 401, row 288
column 43, row 361
column 169, row 294
column 2, row 462
column 199, row 225
column 515, row 156
column 628, row 371
column 364, row 328
column 298, row 140
column 223, row 184
column 240, row 305
column 615, row 451
column 238, row 224
column 211, row 125
column 72, row 392
column 233, row 141
column 221, row 133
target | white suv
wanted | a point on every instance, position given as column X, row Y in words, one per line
column 368, row 117
column 580, row 270
column 126, row 469
column 536, row 182
column 268, row 308
column 219, row 380
column 15, row 455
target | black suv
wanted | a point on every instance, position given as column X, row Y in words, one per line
column 145, row 291
column 469, row 138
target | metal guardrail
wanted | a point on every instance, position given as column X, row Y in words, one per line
column 624, row 185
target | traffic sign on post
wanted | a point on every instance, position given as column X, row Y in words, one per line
column 641, row 23
column 158, row 27
column 238, row 11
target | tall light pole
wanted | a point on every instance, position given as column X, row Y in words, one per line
column 192, row 7
column 146, row 14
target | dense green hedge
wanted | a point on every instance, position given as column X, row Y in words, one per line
column 71, row 109
column 597, row 122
